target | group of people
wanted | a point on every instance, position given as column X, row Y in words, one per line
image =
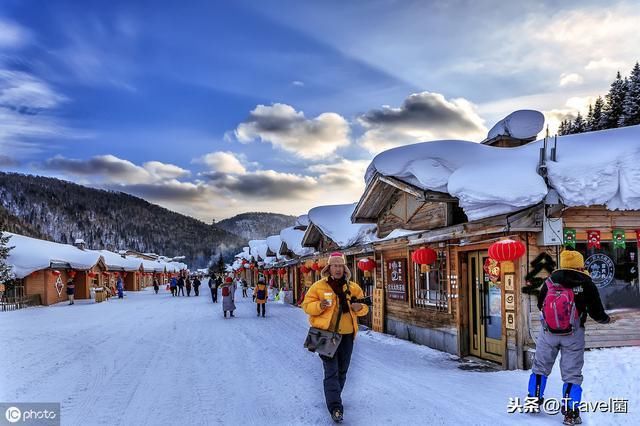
column 228, row 289
column 178, row 285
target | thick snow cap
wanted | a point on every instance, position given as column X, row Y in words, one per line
column 293, row 239
column 335, row 223
column 522, row 124
column 590, row 169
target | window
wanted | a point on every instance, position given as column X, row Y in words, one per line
column 431, row 287
column 615, row 272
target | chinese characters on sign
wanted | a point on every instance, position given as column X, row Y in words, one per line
column 396, row 272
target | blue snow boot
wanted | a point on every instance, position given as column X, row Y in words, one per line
column 537, row 383
column 571, row 398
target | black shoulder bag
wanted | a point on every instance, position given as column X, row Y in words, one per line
column 324, row 342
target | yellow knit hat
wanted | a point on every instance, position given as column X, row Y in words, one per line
column 571, row 259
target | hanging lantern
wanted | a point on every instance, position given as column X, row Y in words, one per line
column 304, row 269
column 282, row 272
column 506, row 250
column 315, row 266
column 366, row 265
column 55, row 272
column 244, row 262
column 424, row 257
column 252, row 266
column 124, row 275
column 72, row 273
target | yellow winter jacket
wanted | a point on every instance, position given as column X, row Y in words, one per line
column 320, row 318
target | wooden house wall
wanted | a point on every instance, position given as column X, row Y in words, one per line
column 408, row 213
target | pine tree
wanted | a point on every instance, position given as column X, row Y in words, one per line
column 5, row 269
column 221, row 267
column 588, row 125
column 597, row 114
column 631, row 106
column 563, row 128
column 578, row 125
column 612, row 110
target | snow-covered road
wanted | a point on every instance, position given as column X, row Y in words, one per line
column 156, row 360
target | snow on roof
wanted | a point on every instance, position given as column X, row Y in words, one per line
column 398, row 233
column 522, row 124
column 302, row 220
column 293, row 239
column 335, row 223
column 591, row 168
column 274, row 242
column 152, row 265
column 258, row 248
column 115, row 262
column 30, row 254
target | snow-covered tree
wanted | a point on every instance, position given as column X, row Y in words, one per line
column 578, row 125
column 221, row 267
column 612, row 110
column 5, row 269
column 631, row 105
column 596, row 116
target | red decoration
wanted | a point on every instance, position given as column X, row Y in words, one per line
column 638, row 235
column 366, row 265
column 304, row 269
column 55, row 272
column 492, row 269
column 506, row 250
column 424, row 256
column 315, row 266
column 282, row 272
column 72, row 273
column 593, row 238
column 252, row 266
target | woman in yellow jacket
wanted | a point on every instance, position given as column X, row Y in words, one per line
column 260, row 295
column 323, row 303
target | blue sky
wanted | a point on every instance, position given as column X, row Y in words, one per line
column 213, row 108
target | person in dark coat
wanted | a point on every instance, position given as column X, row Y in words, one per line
column 245, row 287
column 156, row 285
column 180, row 286
column 214, row 289
column 71, row 290
column 570, row 282
column 120, row 288
column 196, row 286
column 188, row 285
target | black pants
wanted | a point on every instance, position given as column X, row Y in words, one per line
column 264, row 307
column 214, row 295
column 196, row 290
column 335, row 372
column 244, row 292
column 188, row 291
column 173, row 291
column 180, row 290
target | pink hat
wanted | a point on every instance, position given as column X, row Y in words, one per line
column 336, row 258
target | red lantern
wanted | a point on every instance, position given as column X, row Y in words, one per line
column 424, row 257
column 304, row 269
column 252, row 266
column 282, row 272
column 366, row 265
column 315, row 266
column 506, row 250
column 72, row 274
column 55, row 272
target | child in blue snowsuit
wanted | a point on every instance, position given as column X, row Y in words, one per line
column 120, row 288
column 566, row 298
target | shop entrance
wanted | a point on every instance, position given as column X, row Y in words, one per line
column 485, row 309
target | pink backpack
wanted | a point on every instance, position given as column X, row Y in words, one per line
column 559, row 308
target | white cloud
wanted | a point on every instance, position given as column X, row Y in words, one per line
column 569, row 79
column 606, row 64
column 298, row 83
column 13, row 35
column 423, row 116
column 165, row 171
column 223, row 162
column 284, row 127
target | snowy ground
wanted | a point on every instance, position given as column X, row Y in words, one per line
column 156, row 360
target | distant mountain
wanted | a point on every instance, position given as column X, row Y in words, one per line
column 256, row 226
column 62, row 211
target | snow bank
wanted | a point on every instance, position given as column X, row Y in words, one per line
column 335, row 223
column 293, row 239
column 591, row 168
column 30, row 254
column 522, row 124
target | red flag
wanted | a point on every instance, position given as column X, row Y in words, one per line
column 593, row 239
